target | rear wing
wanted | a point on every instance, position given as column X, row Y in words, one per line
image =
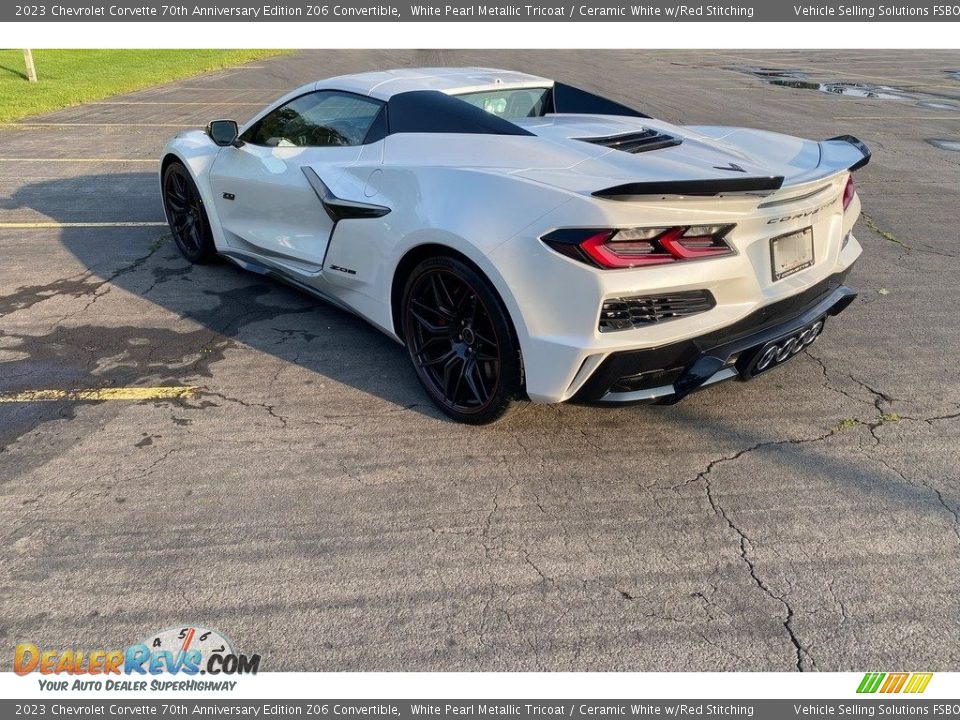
column 837, row 154
column 844, row 152
column 696, row 188
column 842, row 148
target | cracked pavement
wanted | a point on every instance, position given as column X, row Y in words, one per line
column 310, row 504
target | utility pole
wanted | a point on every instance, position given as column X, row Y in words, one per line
column 31, row 68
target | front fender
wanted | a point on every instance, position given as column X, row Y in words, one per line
column 198, row 152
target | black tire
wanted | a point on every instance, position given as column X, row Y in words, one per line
column 186, row 215
column 461, row 341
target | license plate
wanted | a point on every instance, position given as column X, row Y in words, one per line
column 791, row 253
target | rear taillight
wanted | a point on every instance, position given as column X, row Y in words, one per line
column 848, row 192
column 639, row 247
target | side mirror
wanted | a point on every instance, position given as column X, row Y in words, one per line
column 223, row 132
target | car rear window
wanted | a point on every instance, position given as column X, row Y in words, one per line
column 510, row 102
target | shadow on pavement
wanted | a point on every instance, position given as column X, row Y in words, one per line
column 230, row 306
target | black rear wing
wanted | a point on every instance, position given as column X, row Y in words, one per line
column 856, row 143
column 844, row 152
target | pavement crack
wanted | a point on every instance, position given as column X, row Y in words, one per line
column 94, row 288
column 940, row 418
column 758, row 446
column 544, row 578
column 953, row 512
column 804, row 660
column 353, row 476
column 907, row 247
column 270, row 409
column 879, row 397
column 151, row 468
column 838, row 601
column 829, row 385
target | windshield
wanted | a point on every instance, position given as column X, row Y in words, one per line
column 510, row 102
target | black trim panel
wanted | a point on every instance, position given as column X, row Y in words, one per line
column 379, row 129
column 701, row 188
column 431, row 111
column 338, row 208
column 683, row 363
column 568, row 100
column 635, row 142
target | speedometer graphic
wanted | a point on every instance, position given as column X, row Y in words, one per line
column 190, row 637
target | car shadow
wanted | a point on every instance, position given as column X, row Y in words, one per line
column 216, row 308
column 231, row 306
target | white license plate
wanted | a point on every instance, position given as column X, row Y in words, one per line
column 791, row 253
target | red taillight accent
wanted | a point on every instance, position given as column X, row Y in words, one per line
column 848, row 192
column 669, row 246
column 689, row 248
column 623, row 254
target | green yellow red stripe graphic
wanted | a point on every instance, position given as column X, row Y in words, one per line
column 894, row 682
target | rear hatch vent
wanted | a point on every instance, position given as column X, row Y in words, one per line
column 635, row 142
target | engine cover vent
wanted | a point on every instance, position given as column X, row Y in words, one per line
column 636, row 142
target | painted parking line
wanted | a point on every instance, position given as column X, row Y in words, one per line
column 212, row 102
column 222, row 89
column 80, row 160
column 101, row 395
column 83, row 124
column 45, row 224
column 955, row 118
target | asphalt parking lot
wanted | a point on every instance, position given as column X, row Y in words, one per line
column 309, row 502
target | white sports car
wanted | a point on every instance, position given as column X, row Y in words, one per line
column 527, row 239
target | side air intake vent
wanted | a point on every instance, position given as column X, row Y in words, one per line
column 630, row 312
column 637, row 142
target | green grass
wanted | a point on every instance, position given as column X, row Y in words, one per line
column 848, row 424
column 70, row 77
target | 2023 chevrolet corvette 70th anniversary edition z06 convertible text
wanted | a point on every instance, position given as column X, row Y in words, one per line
column 527, row 239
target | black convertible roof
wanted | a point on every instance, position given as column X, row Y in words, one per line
column 432, row 111
column 571, row 100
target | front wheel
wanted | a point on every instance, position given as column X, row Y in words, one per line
column 461, row 341
column 186, row 215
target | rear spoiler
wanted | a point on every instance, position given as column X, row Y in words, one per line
column 844, row 152
column 700, row 188
column 856, row 143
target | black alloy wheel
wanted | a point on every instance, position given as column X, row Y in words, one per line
column 460, row 341
column 186, row 215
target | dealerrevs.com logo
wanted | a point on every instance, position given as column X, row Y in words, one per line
column 180, row 651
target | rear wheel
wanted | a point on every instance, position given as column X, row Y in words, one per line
column 460, row 340
column 186, row 215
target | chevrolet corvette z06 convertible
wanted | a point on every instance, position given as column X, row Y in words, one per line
column 527, row 239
